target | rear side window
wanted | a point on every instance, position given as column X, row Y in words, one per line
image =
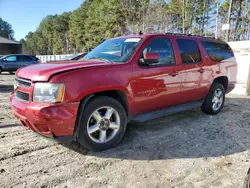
column 34, row 58
column 189, row 51
column 217, row 51
column 24, row 58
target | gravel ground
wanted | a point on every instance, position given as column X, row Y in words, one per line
column 189, row 149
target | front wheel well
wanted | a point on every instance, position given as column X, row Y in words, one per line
column 222, row 80
column 115, row 94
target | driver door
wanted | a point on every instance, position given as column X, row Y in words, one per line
column 10, row 62
column 156, row 86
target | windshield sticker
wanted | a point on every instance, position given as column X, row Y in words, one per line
column 132, row 40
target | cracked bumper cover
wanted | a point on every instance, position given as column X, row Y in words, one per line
column 50, row 120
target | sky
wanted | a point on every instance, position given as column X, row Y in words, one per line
column 26, row 15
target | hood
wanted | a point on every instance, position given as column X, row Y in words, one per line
column 43, row 71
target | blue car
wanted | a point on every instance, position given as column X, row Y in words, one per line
column 13, row 62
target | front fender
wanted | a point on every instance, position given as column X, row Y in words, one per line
column 84, row 82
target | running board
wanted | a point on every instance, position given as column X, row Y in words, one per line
column 166, row 111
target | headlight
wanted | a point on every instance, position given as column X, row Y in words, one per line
column 48, row 92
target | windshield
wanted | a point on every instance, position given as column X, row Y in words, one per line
column 2, row 57
column 115, row 50
column 70, row 57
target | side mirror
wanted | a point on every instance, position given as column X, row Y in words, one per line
column 150, row 58
column 4, row 60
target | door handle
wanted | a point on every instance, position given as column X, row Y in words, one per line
column 201, row 70
column 173, row 74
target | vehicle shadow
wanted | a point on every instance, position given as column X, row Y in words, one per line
column 6, row 88
column 8, row 73
column 8, row 125
column 190, row 134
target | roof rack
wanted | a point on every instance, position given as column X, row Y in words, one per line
column 188, row 35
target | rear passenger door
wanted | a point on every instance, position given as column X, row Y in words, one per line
column 193, row 78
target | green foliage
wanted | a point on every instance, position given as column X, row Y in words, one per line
column 105, row 19
column 6, row 29
column 77, row 27
column 97, row 20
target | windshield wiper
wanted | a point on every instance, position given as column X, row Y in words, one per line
column 100, row 58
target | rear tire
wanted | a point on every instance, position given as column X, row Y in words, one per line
column 102, row 123
column 214, row 102
column 1, row 70
column 11, row 72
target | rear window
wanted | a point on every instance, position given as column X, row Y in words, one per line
column 218, row 51
column 189, row 51
column 34, row 58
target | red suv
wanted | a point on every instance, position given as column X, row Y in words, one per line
column 129, row 78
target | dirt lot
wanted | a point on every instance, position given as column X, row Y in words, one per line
column 189, row 149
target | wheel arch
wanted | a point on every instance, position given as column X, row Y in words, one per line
column 119, row 95
column 223, row 80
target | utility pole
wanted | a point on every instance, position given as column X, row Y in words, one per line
column 228, row 19
column 217, row 19
column 204, row 16
column 247, row 24
column 183, row 16
column 248, row 84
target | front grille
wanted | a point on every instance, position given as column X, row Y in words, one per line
column 23, row 82
column 22, row 96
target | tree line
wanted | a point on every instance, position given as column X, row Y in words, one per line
column 6, row 29
column 97, row 20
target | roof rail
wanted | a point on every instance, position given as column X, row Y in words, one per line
column 189, row 35
column 180, row 34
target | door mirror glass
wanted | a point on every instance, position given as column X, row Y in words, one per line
column 150, row 58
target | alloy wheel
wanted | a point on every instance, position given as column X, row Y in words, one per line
column 217, row 100
column 103, row 124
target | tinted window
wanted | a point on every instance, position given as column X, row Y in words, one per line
column 24, row 58
column 218, row 51
column 189, row 51
column 11, row 58
column 163, row 47
column 34, row 58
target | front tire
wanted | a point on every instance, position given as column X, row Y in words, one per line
column 102, row 124
column 214, row 102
